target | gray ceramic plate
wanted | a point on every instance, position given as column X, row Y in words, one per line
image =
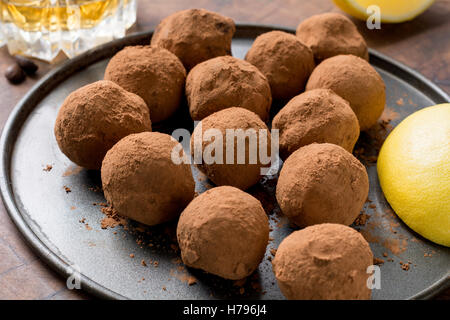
column 50, row 218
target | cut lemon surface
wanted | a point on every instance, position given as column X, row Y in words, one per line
column 414, row 172
column 392, row 11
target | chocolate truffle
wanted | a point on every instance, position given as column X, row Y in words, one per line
column 225, row 82
column 355, row 80
column 322, row 183
column 319, row 116
column 323, row 262
column 285, row 61
column 195, row 35
column 141, row 181
column 93, row 118
column 243, row 167
column 153, row 73
column 331, row 34
column 223, row 231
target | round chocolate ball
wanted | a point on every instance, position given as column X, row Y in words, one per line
column 225, row 82
column 323, row 262
column 285, row 61
column 195, row 35
column 355, row 80
column 319, row 116
column 223, row 231
column 93, row 118
column 141, row 180
column 227, row 160
column 331, row 34
column 153, row 73
column 322, row 183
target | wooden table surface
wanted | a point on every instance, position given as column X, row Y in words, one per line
column 422, row 44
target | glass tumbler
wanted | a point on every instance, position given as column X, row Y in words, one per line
column 45, row 29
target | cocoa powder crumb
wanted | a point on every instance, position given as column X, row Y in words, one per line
column 132, row 255
column 96, row 189
column 48, row 168
column 143, row 263
column 361, row 219
column 405, row 266
column 377, row 261
column 67, row 189
column 112, row 219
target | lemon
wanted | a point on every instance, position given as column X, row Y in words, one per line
column 392, row 11
column 414, row 172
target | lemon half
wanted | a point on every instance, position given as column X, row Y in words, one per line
column 392, row 11
column 414, row 172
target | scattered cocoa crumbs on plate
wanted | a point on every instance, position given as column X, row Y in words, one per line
column 405, row 266
column 372, row 206
column 412, row 103
column 48, row 168
column 273, row 251
column 385, row 254
column 396, row 246
column 88, row 227
column 361, row 220
column 112, row 219
column 96, row 189
column 377, row 261
column 72, row 170
column 400, row 102
column 72, row 208
column 143, row 263
column 131, row 255
column 67, row 189
column 164, row 288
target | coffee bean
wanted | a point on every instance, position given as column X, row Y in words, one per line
column 26, row 64
column 15, row 74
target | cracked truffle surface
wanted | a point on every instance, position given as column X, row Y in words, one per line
column 225, row 82
column 195, row 35
column 223, row 231
column 331, row 34
column 322, row 183
column 285, row 61
column 242, row 174
column 323, row 262
column 141, row 181
column 319, row 116
column 355, row 80
column 94, row 117
column 154, row 74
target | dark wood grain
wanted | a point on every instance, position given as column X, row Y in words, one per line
column 422, row 44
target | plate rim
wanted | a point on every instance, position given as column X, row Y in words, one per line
column 29, row 101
